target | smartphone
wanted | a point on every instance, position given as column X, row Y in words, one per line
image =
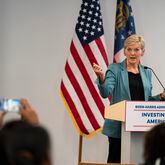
column 10, row 105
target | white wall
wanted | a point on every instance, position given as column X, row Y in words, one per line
column 34, row 43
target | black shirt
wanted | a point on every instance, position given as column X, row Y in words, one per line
column 136, row 86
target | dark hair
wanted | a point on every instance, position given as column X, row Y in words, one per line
column 154, row 144
column 23, row 144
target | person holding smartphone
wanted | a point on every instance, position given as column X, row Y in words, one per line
column 24, row 141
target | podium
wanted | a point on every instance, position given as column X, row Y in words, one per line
column 132, row 140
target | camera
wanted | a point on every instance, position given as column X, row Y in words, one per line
column 10, row 105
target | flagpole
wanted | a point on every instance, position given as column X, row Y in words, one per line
column 80, row 149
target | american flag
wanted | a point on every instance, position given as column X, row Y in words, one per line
column 78, row 89
column 124, row 27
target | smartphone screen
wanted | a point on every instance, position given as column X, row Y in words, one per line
column 10, row 105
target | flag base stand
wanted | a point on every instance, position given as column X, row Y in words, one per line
column 91, row 163
column 80, row 154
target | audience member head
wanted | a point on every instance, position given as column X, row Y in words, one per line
column 22, row 143
column 154, row 144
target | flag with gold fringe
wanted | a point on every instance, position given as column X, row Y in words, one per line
column 78, row 89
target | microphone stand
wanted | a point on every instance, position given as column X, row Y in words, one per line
column 146, row 67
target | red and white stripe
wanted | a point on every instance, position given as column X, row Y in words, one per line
column 78, row 84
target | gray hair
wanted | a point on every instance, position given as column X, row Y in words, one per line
column 134, row 39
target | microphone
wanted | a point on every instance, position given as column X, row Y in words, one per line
column 146, row 67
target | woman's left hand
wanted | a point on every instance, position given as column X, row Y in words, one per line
column 162, row 96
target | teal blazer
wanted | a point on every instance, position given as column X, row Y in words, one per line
column 116, row 84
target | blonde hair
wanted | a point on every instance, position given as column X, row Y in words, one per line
column 133, row 39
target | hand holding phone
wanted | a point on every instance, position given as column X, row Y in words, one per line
column 21, row 106
column 28, row 113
